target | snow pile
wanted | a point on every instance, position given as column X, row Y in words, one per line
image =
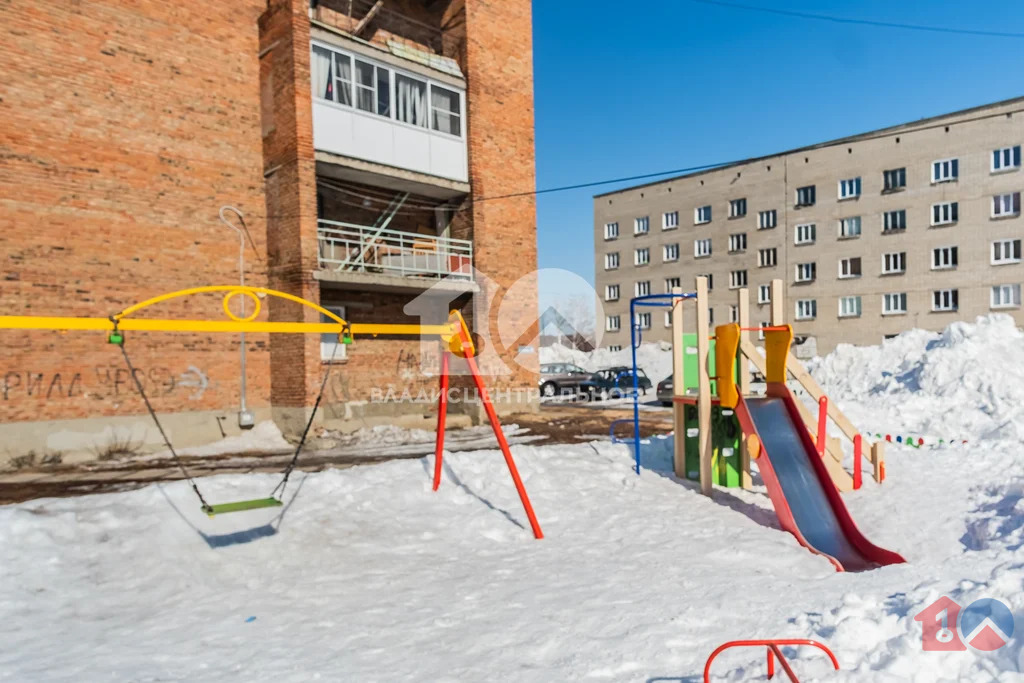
column 265, row 437
column 654, row 358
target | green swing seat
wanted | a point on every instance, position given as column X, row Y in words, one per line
column 241, row 505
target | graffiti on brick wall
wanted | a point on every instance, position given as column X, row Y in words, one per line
column 103, row 381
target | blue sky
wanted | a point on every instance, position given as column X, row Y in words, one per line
column 629, row 88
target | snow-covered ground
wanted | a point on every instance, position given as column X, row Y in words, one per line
column 367, row 575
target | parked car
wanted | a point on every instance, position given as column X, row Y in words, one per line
column 561, row 379
column 665, row 391
column 616, row 382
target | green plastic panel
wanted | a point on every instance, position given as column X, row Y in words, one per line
column 725, row 446
column 242, row 505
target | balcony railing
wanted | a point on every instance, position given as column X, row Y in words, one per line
column 348, row 247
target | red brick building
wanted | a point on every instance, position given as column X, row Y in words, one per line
column 352, row 136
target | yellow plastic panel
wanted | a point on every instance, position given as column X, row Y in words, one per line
column 727, row 341
column 776, row 346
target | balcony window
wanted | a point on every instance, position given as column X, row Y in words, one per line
column 446, row 109
column 410, row 100
column 373, row 88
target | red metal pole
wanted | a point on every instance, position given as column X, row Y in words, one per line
column 858, row 452
column 771, row 664
column 822, row 425
column 442, row 413
column 496, row 426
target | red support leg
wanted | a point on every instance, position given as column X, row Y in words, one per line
column 496, row 426
column 442, row 413
column 858, row 466
column 771, row 664
column 822, row 425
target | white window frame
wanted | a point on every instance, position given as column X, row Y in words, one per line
column 945, row 170
column 1001, row 245
column 642, row 288
column 611, row 231
column 702, row 248
column 611, row 260
column 670, row 252
column 738, row 207
column 734, row 313
column 1011, row 292
column 897, row 173
column 849, row 262
column 847, row 311
column 951, row 304
column 806, row 309
column 768, row 219
column 902, row 256
column 945, row 258
column 764, row 294
column 615, row 348
column 641, row 256
column 891, row 298
column 737, row 242
column 612, row 323
column 670, row 220
column 330, row 342
column 804, row 191
column 641, row 225
column 1006, row 205
column 711, row 279
column 734, row 279
column 611, row 292
column 806, row 272
column 949, row 213
column 809, row 236
column 643, row 321
column 671, row 282
column 1005, row 159
column 702, row 215
column 760, row 331
column 849, row 188
column 887, row 227
column 767, row 257
column 850, row 227
column 668, row 318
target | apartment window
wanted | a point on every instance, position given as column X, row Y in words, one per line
column 945, row 300
column 849, row 307
column 410, row 100
column 711, row 315
column 612, row 323
column 764, row 294
column 668, row 318
column 806, row 309
column 806, row 272
column 849, row 267
column 611, row 261
column 373, row 90
column 331, row 347
column 615, row 347
column 850, row 188
column 611, row 293
column 767, row 220
column 1006, row 159
column 737, row 242
column 806, row 233
column 737, row 279
column 760, row 332
column 766, row 258
column 710, row 278
column 894, row 262
column 944, row 258
column 642, row 288
column 945, row 170
column 849, row 227
column 734, row 313
column 894, row 220
column 702, row 248
column 671, row 283
column 805, row 196
column 641, row 225
column 641, row 257
column 327, row 79
column 1006, row 296
column 894, row 304
column 670, row 220
column 1006, row 205
column 945, row 213
column 737, row 208
column 702, row 214
column 643, row 321
column 670, row 252
column 611, row 231
column 1005, row 251
column 445, row 110
column 894, row 179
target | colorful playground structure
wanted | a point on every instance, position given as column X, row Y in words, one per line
column 720, row 426
column 454, row 336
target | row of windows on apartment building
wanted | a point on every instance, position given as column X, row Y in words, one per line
column 895, row 303
column 384, row 91
column 942, row 214
column 893, row 180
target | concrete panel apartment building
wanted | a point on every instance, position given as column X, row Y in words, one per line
column 350, row 133
column 916, row 225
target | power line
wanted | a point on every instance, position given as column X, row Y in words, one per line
column 862, row 22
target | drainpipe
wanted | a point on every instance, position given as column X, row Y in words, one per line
column 246, row 419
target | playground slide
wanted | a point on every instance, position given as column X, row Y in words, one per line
column 805, row 499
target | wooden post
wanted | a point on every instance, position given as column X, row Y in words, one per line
column 878, row 460
column 743, row 310
column 703, row 386
column 778, row 303
column 678, row 387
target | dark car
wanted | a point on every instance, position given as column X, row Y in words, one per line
column 615, row 382
column 561, row 379
column 665, row 391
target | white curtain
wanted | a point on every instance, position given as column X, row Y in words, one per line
column 411, row 104
column 320, row 73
